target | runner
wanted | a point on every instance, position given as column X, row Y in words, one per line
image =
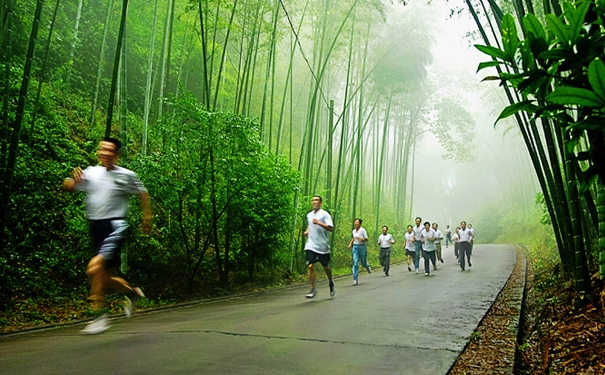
column 410, row 247
column 317, row 248
column 438, row 238
column 418, row 245
column 448, row 235
column 385, row 240
column 456, row 241
column 108, row 189
column 360, row 252
column 466, row 237
column 427, row 237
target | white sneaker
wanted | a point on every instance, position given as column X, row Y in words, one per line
column 100, row 324
column 131, row 303
column 416, row 270
column 355, row 282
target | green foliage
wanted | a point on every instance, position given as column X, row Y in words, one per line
column 567, row 57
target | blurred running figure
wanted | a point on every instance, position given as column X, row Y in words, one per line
column 466, row 237
column 410, row 247
column 448, row 235
column 438, row 238
column 317, row 248
column 385, row 240
column 418, row 245
column 360, row 252
column 427, row 237
column 456, row 241
column 470, row 226
column 108, row 188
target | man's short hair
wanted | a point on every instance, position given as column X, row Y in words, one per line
column 435, row 224
column 116, row 142
column 426, row 222
column 356, row 219
column 384, row 226
column 318, row 196
column 463, row 222
column 418, row 218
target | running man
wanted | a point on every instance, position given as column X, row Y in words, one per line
column 448, row 235
column 418, row 244
column 427, row 237
column 360, row 251
column 410, row 247
column 108, row 188
column 385, row 240
column 317, row 248
column 466, row 237
column 456, row 241
column 438, row 238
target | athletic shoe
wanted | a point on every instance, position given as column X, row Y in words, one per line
column 469, row 264
column 131, row 302
column 416, row 270
column 409, row 268
column 435, row 267
column 427, row 274
column 312, row 293
column 355, row 282
column 369, row 269
column 442, row 261
column 386, row 274
column 100, row 324
column 332, row 290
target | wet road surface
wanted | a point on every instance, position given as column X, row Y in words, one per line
column 406, row 323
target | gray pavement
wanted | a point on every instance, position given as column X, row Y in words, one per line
column 406, row 323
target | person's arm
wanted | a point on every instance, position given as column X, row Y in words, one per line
column 365, row 238
column 327, row 227
column 351, row 243
column 77, row 175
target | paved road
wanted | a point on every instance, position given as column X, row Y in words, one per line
column 401, row 324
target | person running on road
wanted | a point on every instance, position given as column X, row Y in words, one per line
column 360, row 252
column 108, row 189
column 448, row 235
column 470, row 226
column 385, row 240
column 456, row 241
column 466, row 237
column 427, row 237
column 317, row 247
column 410, row 247
column 418, row 245
column 438, row 238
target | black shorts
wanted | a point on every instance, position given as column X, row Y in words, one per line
column 313, row 257
column 410, row 253
column 108, row 236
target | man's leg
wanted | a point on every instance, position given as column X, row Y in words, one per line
column 387, row 262
column 439, row 258
column 355, row 268
column 311, row 275
column 417, row 255
column 427, row 263
column 462, row 254
column 96, row 275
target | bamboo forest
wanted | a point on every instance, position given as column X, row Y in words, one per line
column 235, row 114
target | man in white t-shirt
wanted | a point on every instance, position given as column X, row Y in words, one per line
column 317, row 247
column 438, row 238
column 427, row 237
column 470, row 227
column 359, row 249
column 108, row 189
column 385, row 240
column 466, row 237
column 417, row 229
column 448, row 235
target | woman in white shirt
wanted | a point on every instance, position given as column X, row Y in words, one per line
column 360, row 252
column 409, row 246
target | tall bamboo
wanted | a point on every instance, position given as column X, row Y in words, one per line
column 116, row 65
column 95, row 99
column 147, row 104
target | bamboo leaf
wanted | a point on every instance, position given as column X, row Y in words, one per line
column 534, row 26
column 576, row 20
column 487, row 64
column 596, row 77
column 575, row 96
column 491, row 78
column 498, row 14
column 510, row 39
column 592, row 123
column 525, row 105
column 558, row 29
column 492, row 51
column 556, row 54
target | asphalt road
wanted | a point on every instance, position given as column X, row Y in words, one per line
column 406, row 323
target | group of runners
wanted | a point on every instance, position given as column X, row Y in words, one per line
column 420, row 241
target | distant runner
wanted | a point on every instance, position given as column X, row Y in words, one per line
column 359, row 249
column 385, row 240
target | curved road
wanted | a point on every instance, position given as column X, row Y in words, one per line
column 406, row 323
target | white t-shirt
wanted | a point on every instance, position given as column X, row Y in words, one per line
column 108, row 191
column 428, row 245
column 455, row 237
column 385, row 241
column 417, row 230
column 438, row 236
column 409, row 241
column 473, row 234
column 359, row 233
column 318, row 238
column 465, row 235
column 448, row 231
